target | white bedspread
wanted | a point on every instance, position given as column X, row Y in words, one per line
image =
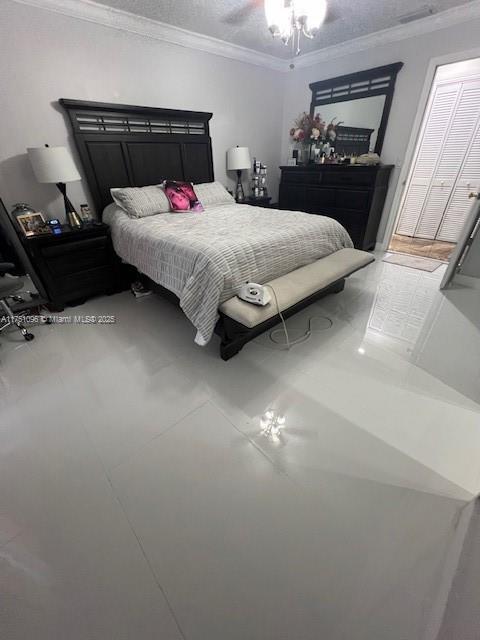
column 205, row 257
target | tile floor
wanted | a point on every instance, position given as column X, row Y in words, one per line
column 140, row 499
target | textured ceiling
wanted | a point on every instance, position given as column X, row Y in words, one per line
column 348, row 19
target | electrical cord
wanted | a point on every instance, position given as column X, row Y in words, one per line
column 306, row 336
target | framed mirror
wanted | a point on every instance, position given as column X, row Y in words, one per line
column 359, row 103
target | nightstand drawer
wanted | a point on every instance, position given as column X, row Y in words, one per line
column 62, row 248
column 77, row 257
column 86, row 282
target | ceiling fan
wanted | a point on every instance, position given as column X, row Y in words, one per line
column 241, row 15
column 286, row 19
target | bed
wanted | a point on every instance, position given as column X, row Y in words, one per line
column 205, row 258
column 202, row 258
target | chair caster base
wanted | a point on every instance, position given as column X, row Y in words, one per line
column 25, row 332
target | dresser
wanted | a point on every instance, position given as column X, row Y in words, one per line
column 352, row 194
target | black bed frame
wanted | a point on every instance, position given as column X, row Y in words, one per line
column 122, row 145
column 126, row 145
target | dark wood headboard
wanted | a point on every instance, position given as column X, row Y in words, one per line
column 129, row 146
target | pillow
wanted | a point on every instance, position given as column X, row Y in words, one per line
column 140, row 202
column 212, row 193
column 182, row 196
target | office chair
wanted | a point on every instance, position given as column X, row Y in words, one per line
column 8, row 288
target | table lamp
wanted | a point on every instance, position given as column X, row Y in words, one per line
column 238, row 158
column 55, row 165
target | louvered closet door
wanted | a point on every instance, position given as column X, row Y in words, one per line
column 468, row 180
column 443, row 194
column 438, row 119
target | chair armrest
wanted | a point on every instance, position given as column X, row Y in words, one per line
column 5, row 267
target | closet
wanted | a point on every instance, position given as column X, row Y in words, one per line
column 447, row 163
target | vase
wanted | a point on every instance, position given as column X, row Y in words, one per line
column 303, row 154
column 298, row 153
column 311, row 153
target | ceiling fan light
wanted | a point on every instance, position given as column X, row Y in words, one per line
column 291, row 18
column 273, row 12
column 301, row 21
column 278, row 17
column 315, row 12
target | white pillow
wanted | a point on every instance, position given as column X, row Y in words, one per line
column 212, row 193
column 140, row 202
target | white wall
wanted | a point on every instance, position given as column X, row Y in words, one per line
column 471, row 266
column 416, row 54
column 45, row 56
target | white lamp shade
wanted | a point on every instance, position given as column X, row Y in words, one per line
column 238, row 158
column 53, row 164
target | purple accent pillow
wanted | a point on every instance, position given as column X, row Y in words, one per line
column 182, row 196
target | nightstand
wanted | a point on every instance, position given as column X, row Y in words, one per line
column 258, row 202
column 74, row 265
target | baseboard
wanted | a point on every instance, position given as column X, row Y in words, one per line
column 468, row 281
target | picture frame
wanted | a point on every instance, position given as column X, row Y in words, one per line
column 33, row 224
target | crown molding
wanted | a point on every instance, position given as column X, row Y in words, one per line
column 436, row 22
column 125, row 21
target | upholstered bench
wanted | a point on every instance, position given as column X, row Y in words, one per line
column 241, row 321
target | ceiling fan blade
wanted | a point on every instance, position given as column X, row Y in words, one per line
column 241, row 15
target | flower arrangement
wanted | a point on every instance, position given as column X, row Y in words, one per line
column 311, row 130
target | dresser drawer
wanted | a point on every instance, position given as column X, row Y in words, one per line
column 292, row 197
column 355, row 199
column 319, row 199
column 351, row 176
column 302, row 177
